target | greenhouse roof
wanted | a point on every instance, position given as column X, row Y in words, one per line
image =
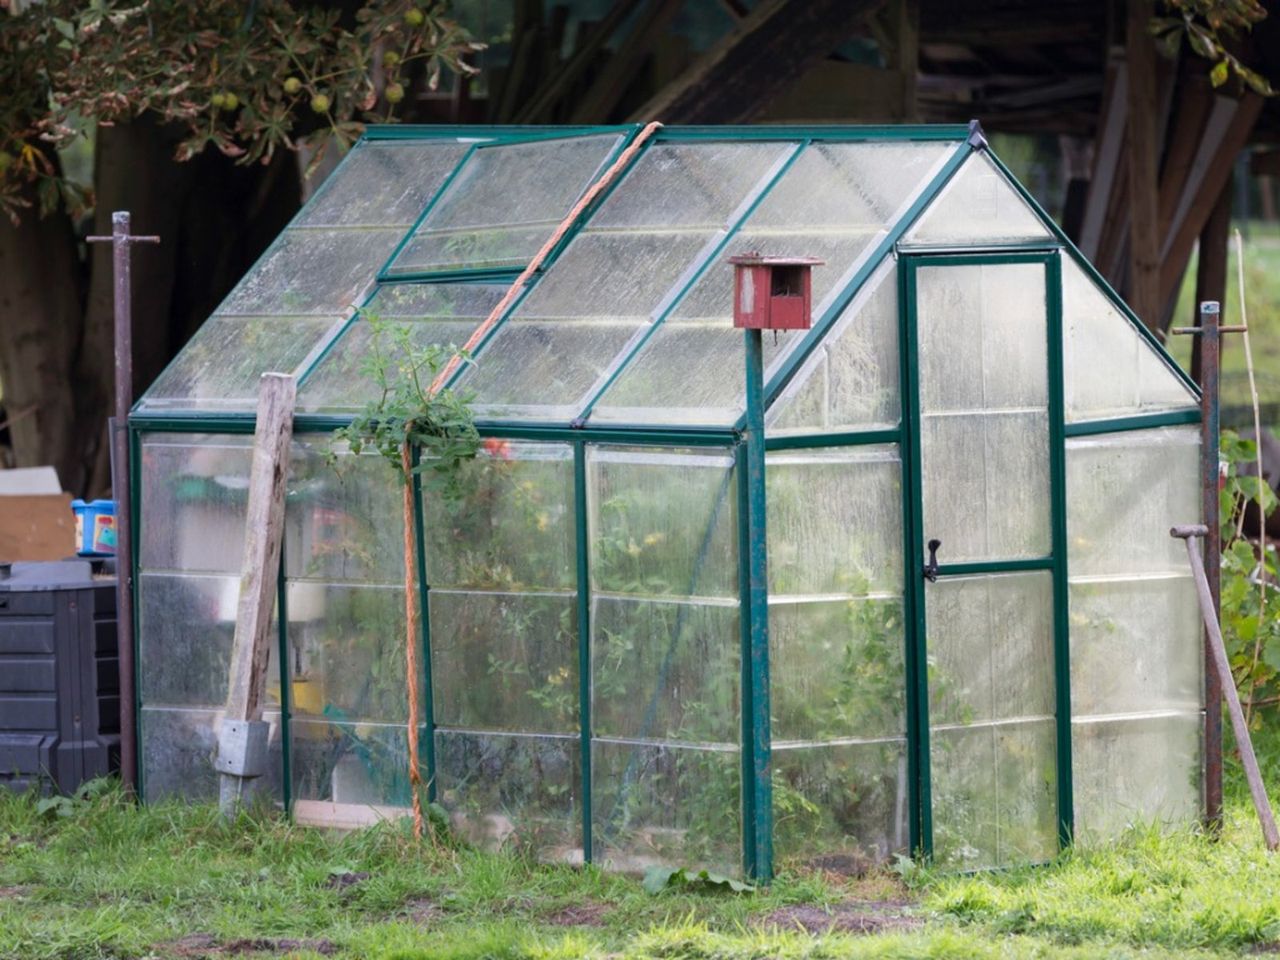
column 627, row 319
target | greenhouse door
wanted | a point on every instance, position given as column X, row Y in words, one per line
column 983, row 481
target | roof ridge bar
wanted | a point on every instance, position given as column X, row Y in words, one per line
column 796, row 359
column 763, row 189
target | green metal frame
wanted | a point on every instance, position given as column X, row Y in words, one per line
column 583, row 545
column 913, row 499
column 424, row 617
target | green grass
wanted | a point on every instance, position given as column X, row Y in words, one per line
column 1262, row 292
column 112, row 880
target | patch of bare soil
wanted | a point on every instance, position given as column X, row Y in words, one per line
column 423, row 911
column 205, row 945
column 1271, row 946
column 342, row 881
column 589, row 914
column 845, row 865
column 14, row 893
column 853, row 916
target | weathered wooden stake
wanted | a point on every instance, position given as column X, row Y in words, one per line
column 1226, row 681
column 242, row 740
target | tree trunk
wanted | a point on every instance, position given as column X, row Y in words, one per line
column 41, row 303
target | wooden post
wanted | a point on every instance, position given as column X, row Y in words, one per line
column 1211, row 271
column 1144, row 232
column 242, row 740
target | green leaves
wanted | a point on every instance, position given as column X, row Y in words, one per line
column 1207, row 26
column 658, row 879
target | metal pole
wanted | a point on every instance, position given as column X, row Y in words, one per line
column 1210, row 366
column 121, row 240
column 1222, row 669
column 756, row 698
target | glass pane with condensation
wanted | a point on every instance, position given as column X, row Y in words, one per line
column 1135, row 770
column 850, row 380
column 1109, row 368
column 978, row 205
column 1124, row 492
column 220, row 367
column 434, row 315
column 665, row 670
column 382, row 183
column 504, row 660
column 343, row 515
column 504, row 204
column 835, row 202
column 195, row 490
column 835, row 521
column 513, row 793
column 663, row 804
column 503, row 521
column 647, row 240
column 663, row 523
column 175, row 745
column 351, row 765
column 847, row 804
column 836, row 669
column 984, row 430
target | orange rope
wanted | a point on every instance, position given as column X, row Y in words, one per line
column 411, row 641
column 566, row 224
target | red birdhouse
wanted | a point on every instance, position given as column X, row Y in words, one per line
column 772, row 293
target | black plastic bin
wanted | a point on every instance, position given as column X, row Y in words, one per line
column 59, row 678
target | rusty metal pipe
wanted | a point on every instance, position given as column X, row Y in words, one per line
column 1210, row 367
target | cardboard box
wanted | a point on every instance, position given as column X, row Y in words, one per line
column 36, row 522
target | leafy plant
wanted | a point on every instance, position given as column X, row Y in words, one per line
column 1250, row 619
column 659, row 879
column 1210, row 26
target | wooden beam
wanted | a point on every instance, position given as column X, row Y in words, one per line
column 835, row 91
column 906, row 60
column 264, row 531
column 1211, row 270
column 608, row 88
column 767, row 52
column 1144, row 158
column 1211, row 171
column 1106, row 156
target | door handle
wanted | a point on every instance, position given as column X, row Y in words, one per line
column 931, row 568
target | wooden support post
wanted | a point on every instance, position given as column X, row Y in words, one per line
column 242, row 740
column 1144, row 230
column 1211, row 271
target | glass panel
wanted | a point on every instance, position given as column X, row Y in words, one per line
column 639, row 250
column 833, row 203
column 221, row 365
column 383, row 183
column 994, row 795
column 437, row 314
column 991, row 706
column 1136, row 726
column 346, row 652
column 1109, row 368
column 307, row 272
column 343, row 516
column 513, row 527
column 665, row 671
column 850, row 381
column 983, row 405
column 978, row 205
column 195, row 490
column 505, row 661
column 1124, row 492
column 1133, row 770
column 176, row 750
column 840, row 807
column 362, row 764
column 513, row 791
column 1135, row 645
column 663, row 522
column 836, row 670
column 657, row 804
column 504, row 204
column 835, row 521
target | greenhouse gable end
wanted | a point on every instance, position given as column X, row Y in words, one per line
column 608, row 673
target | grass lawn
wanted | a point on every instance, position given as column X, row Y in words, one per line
column 112, row 880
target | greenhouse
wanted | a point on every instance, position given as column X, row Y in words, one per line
column 942, row 613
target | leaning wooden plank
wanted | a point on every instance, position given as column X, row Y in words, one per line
column 344, row 816
column 242, row 739
column 1223, row 668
